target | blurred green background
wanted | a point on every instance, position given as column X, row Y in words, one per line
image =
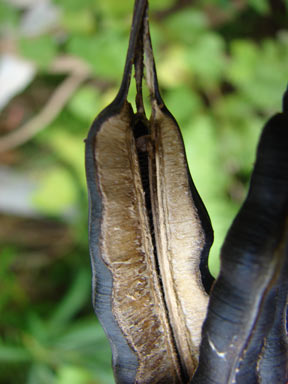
column 222, row 66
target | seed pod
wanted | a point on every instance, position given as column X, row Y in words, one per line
column 244, row 336
column 149, row 232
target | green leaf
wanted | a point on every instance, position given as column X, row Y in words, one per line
column 261, row 6
column 37, row 328
column 185, row 25
column 206, row 59
column 13, row 354
column 73, row 375
column 56, row 194
column 116, row 9
column 210, row 180
column 75, row 5
column 157, row 5
column 222, row 212
column 260, row 72
column 8, row 15
column 102, row 52
column 85, row 103
column 172, row 68
column 244, row 59
column 74, row 300
column 41, row 50
column 80, row 22
column 40, row 374
column 69, row 148
column 203, row 159
column 183, row 103
column 81, row 335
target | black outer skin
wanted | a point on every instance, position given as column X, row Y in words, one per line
column 125, row 362
column 246, row 257
column 274, row 361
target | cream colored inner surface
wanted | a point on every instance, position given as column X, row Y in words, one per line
column 180, row 240
column 128, row 252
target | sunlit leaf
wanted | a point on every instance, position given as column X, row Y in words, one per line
column 82, row 334
column 206, row 59
column 73, row 375
column 186, row 25
column 84, row 103
column 70, row 148
column 40, row 374
column 8, row 15
column 13, row 354
column 261, row 6
column 184, row 103
column 78, row 22
column 101, row 52
column 56, row 194
column 75, row 298
column 41, row 50
column 173, row 69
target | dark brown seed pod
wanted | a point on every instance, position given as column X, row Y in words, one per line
column 150, row 233
column 244, row 336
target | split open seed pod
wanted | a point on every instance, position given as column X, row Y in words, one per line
column 150, row 233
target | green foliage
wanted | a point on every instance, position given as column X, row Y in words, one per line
column 220, row 85
column 260, row 6
column 185, row 25
column 60, row 345
column 84, row 103
column 10, row 288
column 41, row 50
column 251, row 71
column 101, row 52
column 56, row 192
column 8, row 16
column 205, row 71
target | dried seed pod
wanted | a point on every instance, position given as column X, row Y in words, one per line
column 244, row 335
column 150, row 233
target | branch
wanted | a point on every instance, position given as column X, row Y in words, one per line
column 78, row 73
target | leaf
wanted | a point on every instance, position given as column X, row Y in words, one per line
column 101, row 52
column 173, row 69
column 205, row 70
column 199, row 138
column 70, row 149
column 261, row 6
column 73, row 375
column 8, row 15
column 37, row 328
column 250, row 70
column 13, row 354
column 81, row 335
column 56, row 194
column 74, row 300
column 84, row 103
column 78, row 22
column 75, row 5
column 116, row 9
column 41, row 50
column 184, row 103
column 40, row 374
column 186, row 25
column 205, row 165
